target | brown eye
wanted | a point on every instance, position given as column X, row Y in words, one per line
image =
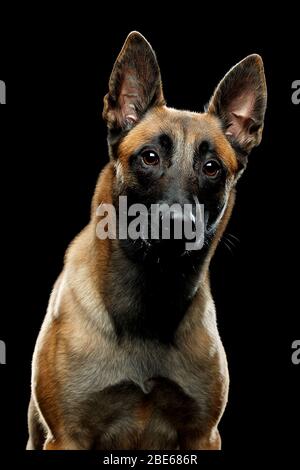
column 211, row 168
column 150, row 158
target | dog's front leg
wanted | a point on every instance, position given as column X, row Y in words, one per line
column 60, row 434
column 61, row 444
column 55, row 386
column 210, row 441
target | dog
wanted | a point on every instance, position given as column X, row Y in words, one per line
column 129, row 355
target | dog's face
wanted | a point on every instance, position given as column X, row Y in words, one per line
column 163, row 155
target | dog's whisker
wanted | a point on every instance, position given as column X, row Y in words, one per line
column 227, row 246
column 233, row 236
column 230, row 242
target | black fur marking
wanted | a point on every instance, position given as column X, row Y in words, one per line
column 161, row 143
column 148, row 299
column 151, row 283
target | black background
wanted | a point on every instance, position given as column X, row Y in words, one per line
column 53, row 145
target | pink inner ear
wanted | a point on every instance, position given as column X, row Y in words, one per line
column 129, row 95
column 241, row 115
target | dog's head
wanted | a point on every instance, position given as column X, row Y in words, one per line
column 163, row 155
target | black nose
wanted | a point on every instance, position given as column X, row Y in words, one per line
column 177, row 224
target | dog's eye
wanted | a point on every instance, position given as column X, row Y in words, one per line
column 150, row 158
column 211, row 168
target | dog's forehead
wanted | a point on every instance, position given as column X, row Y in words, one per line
column 184, row 128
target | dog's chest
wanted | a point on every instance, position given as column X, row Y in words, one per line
column 136, row 362
column 128, row 418
column 144, row 407
column 140, row 398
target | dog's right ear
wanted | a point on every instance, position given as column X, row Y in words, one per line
column 134, row 85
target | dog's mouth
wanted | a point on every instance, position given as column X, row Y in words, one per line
column 160, row 228
column 165, row 232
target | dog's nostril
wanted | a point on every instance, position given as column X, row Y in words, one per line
column 192, row 220
column 184, row 218
column 176, row 224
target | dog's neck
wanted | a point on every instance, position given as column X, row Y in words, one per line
column 148, row 299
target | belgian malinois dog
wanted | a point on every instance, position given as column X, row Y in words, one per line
column 129, row 355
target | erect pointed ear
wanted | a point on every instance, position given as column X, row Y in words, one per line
column 134, row 85
column 240, row 102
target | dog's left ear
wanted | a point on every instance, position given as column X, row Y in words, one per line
column 134, row 85
column 240, row 102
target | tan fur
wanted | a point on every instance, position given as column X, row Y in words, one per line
column 170, row 121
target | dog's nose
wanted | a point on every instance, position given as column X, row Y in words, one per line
column 177, row 224
column 184, row 217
